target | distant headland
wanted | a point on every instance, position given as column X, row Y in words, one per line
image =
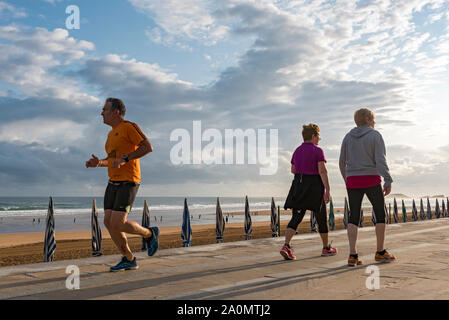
column 436, row 196
column 401, row 195
column 397, row 195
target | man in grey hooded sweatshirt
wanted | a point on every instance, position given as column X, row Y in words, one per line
column 362, row 163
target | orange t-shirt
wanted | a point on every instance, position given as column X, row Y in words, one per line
column 124, row 139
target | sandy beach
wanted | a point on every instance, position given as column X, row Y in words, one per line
column 26, row 248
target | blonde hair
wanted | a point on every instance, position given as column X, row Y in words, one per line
column 308, row 130
column 361, row 115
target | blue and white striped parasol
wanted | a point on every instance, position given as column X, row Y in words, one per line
column 96, row 231
column 313, row 222
column 49, row 240
column 346, row 214
column 414, row 211
column 248, row 223
column 404, row 212
column 387, row 216
column 437, row 209
column 395, row 211
column 331, row 216
column 274, row 220
column 361, row 219
column 220, row 222
column 389, row 213
column 145, row 223
column 443, row 209
column 186, row 233
column 422, row 214
column 447, row 207
column 429, row 210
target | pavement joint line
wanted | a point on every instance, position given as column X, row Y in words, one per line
column 57, row 265
column 269, row 278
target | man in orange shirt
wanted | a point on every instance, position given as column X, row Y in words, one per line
column 125, row 144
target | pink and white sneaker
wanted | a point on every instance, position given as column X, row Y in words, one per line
column 287, row 253
column 329, row 251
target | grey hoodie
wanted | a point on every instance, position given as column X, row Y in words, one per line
column 363, row 153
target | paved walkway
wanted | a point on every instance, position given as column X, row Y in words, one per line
column 254, row 270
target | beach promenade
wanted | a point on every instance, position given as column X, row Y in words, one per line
column 254, row 270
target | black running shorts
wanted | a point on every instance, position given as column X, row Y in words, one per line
column 120, row 195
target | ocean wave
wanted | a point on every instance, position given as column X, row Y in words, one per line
column 163, row 209
column 26, row 208
column 19, row 211
column 43, row 212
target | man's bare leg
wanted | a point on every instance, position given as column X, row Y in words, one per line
column 127, row 226
column 353, row 232
column 120, row 226
column 117, row 237
column 380, row 234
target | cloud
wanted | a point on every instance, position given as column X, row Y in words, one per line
column 8, row 10
column 413, row 43
column 33, row 170
column 307, row 62
column 282, row 69
column 417, row 171
column 50, row 108
column 188, row 20
column 42, row 131
column 42, row 41
column 160, row 37
column 31, row 57
column 53, row 1
column 147, row 87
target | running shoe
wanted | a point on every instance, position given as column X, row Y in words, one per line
column 287, row 253
column 153, row 241
column 124, row 264
column 385, row 257
column 329, row 251
column 352, row 262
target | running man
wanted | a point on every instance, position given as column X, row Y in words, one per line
column 125, row 145
column 362, row 163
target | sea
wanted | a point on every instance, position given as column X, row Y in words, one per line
column 28, row 214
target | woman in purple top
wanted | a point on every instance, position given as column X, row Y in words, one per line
column 309, row 191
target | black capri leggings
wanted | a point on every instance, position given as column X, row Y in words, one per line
column 321, row 218
column 375, row 196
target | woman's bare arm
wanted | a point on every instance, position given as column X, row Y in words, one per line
column 323, row 174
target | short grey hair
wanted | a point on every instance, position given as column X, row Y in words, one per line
column 360, row 116
column 117, row 104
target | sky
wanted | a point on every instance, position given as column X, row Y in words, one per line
column 231, row 64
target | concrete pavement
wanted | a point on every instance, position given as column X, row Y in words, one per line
column 254, row 270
